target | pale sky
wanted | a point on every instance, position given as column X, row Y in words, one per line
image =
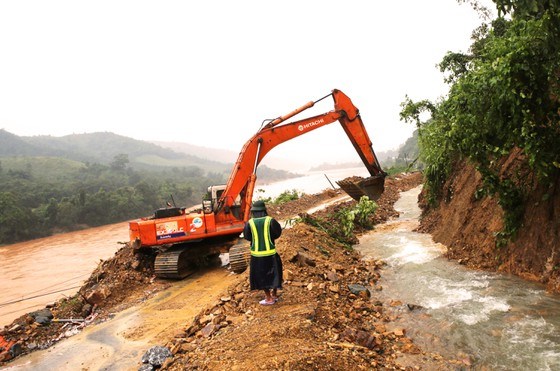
column 209, row 72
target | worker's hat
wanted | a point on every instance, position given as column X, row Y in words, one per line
column 258, row 206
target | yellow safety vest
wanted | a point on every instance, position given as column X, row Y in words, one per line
column 261, row 244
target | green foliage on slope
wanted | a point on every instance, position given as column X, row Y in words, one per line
column 504, row 94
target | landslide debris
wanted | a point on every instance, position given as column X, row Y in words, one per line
column 327, row 316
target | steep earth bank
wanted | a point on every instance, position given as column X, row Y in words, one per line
column 468, row 226
column 327, row 317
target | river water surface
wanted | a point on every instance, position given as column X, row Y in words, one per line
column 492, row 321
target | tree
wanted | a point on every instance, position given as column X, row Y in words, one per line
column 119, row 162
column 16, row 223
column 504, row 94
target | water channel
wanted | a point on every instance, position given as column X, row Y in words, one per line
column 491, row 321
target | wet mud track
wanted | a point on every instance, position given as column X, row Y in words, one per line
column 120, row 342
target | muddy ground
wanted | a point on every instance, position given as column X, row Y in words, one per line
column 327, row 317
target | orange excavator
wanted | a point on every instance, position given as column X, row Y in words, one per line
column 182, row 236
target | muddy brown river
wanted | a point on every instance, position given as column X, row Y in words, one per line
column 41, row 271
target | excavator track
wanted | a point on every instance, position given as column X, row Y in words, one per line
column 182, row 260
column 239, row 257
column 174, row 264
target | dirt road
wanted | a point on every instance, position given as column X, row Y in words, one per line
column 120, row 342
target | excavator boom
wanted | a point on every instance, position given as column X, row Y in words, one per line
column 243, row 176
column 214, row 228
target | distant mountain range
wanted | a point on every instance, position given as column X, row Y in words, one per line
column 102, row 148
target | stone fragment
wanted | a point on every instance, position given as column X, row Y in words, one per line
column 97, row 296
column 208, row 329
column 359, row 290
column 156, row 355
column 332, row 276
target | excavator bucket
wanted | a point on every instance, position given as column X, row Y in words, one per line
column 356, row 186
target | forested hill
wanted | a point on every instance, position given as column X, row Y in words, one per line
column 102, row 148
column 54, row 184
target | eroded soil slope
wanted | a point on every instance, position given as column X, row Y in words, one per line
column 325, row 318
column 468, row 226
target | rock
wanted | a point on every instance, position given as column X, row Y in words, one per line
column 362, row 338
column 42, row 320
column 86, row 310
column 31, row 346
column 135, row 265
column 414, row 306
column 332, row 276
column 156, row 356
column 97, row 296
column 303, row 259
column 16, row 350
column 208, row 330
column 359, row 290
column 42, row 313
column 288, row 275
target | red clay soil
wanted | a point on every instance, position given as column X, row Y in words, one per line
column 468, row 226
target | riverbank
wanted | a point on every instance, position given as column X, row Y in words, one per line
column 469, row 225
column 324, row 319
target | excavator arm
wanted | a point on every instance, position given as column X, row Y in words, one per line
column 243, row 177
column 190, row 236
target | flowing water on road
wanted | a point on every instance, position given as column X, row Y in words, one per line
column 492, row 321
column 120, row 342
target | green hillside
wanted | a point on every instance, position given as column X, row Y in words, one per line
column 53, row 184
column 101, row 148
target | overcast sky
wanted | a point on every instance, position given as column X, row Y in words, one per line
column 209, row 72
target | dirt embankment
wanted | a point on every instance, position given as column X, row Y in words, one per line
column 326, row 317
column 468, row 226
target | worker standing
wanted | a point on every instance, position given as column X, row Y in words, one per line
column 266, row 265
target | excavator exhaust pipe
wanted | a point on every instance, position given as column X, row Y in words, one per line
column 356, row 187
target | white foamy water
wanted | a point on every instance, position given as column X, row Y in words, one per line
column 501, row 322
